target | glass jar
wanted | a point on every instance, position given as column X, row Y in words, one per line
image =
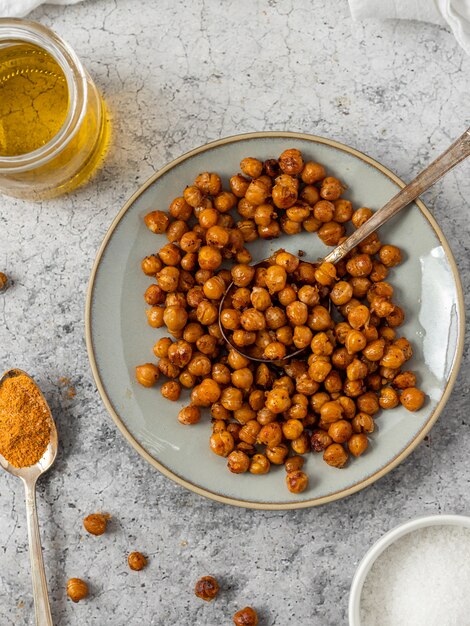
column 67, row 158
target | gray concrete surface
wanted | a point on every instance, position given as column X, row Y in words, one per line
column 175, row 75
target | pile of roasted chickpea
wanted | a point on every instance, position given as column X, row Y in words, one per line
column 353, row 363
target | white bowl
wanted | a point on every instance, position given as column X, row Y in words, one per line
column 382, row 544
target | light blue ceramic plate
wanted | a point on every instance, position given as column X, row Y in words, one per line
column 427, row 286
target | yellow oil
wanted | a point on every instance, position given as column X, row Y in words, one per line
column 34, row 99
column 34, row 102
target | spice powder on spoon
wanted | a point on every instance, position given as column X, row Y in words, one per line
column 24, row 422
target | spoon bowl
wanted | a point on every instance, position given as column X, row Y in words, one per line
column 33, row 471
column 29, row 476
column 227, row 338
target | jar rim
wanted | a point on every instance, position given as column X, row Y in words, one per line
column 15, row 31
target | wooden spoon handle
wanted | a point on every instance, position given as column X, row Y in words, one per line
column 41, row 599
column 456, row 153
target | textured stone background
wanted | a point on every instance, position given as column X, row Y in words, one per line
column 175, row 75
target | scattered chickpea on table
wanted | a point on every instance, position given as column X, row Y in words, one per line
column 326, row 398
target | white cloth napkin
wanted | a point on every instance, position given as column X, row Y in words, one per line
column 20, row 8
column 453, row 13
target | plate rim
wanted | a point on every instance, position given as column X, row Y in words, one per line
column 300, row 504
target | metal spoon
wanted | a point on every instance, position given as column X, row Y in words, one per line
column 456, row 153
column 29, row 476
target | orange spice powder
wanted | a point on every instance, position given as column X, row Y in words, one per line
column 24, row 422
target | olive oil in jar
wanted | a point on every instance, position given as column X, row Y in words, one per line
column 34, row 99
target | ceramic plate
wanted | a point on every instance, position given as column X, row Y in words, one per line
column 426, row 285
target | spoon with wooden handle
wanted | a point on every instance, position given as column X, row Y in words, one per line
column 29, row 476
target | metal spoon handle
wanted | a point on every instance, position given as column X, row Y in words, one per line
column 456, row 153
column 41, row 599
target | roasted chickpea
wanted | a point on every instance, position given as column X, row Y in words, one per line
column 341, row 293
column 294, row 463
column 214, row 288
column 310, row 194
column 320, row 318
column 396, row 317
column 341, row 358
column 355, row 341
column 356, row 370
column 246, row 617
column 368, row 403
column 242, row 378
column 321, row 344
column 207, row 344
column 249, row 431
column 404, row 380
column 278, row 454
column 222, row 443
column 309, row 295
column 278, row 400
column 335, row 455
column 297, row 481
column 160, row 349
column 157, row 221
column 319, row 369
column 171, row 390
column 216, row 236
column 168, row 278
column 251, row 167
column 298, row 213
column 275, row 317
column 231, row 398
column 374, row 350
column 361, row 216
column 147, row 374
column 312, row 173
column 340, row 431
column 360, row 286
column 154, row 295
column 390, row 255
column 276, row 278
column 318, row 400
column 363, row 423
column 388, row 398
column 393, row 357
column 302, row 337
column 206, row 313
column 331, row 411
column 331, row 188
column 323, row 211
column 288, row 295
column 189, row 415
column 151, row 265
column 320, row 440
column 155, row 316
column 301, row 445
column 238, row 462
column 343, row 211
column 179, row 352
column 358, row 444
column 412, row 398
column 291, row 162
column 239, row 185
column 168, row 369
column 259, row 464
column 270, row 435
column 176, row 230
column 274, row 351
column 405, row 347
column 359, row 265
column 199, row 365
column 258, row 190
column 331, row 233
column 359, row 316
column 175, row 318
column 209, row 258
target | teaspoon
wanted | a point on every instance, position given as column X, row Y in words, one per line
column 29, row 476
